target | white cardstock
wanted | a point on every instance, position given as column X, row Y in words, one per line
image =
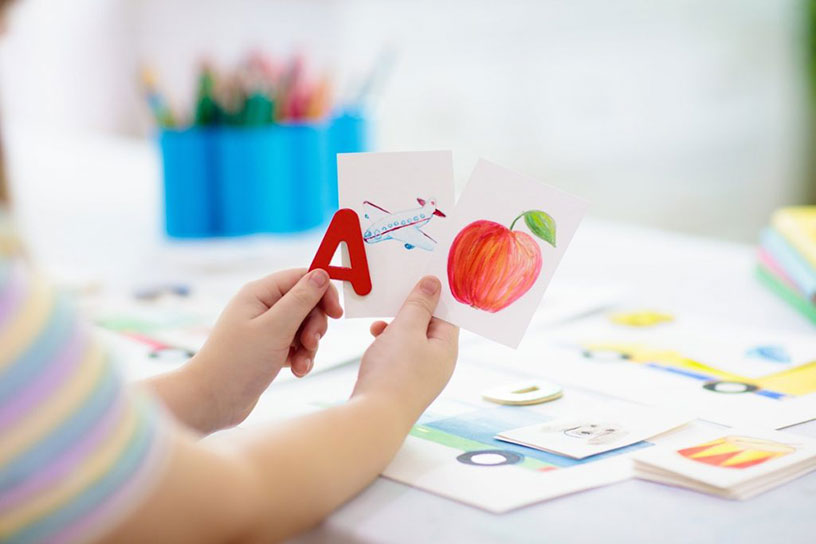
column 736, row 463
column 586, row 435
column 493, row 277
column 403, row 200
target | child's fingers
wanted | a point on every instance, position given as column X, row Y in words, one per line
column 291, row 310
column 271, row 288
column 377, row 328
column 331, row 303
column 313, row 329
column 440, row 329
column 302, row 361
column 418, row 308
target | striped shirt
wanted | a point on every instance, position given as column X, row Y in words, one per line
column 78, row 450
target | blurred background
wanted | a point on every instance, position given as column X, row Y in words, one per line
column 687, row 115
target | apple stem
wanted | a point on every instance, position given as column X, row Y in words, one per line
column 513, row 224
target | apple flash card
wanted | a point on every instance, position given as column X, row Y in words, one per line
column 403, row 201
column 499, row 250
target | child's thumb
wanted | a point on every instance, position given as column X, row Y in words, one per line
column 419, row 307
column 289, row 312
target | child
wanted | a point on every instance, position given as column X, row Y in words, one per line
column 85, row 458
column 82, row 458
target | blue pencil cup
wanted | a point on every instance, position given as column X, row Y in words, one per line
column 307, row 145
column 349, row 133
column 189, row 182
column 231, row 181
column 255, row 180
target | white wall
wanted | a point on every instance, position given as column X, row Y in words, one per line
column 681, row 114
column 69, row 64
column 686, row 114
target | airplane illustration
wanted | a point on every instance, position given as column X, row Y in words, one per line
column 404, row 226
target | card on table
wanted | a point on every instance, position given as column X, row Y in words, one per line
column 498, row 252
column 734, row 463
column 585, row 435
column 403, row 200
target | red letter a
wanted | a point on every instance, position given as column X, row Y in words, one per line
column 345, row 227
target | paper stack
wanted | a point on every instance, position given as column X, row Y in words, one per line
column 735, row 464
column 787, row 257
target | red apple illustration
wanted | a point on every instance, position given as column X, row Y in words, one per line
column 491, row 266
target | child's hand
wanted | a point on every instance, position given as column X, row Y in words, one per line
column 412, row 358
column 271, row 323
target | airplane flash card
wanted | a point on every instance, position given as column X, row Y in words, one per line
column 402, row 201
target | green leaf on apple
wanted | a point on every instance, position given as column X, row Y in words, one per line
column 540, row 223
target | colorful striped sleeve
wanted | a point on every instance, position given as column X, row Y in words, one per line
column 78, row 449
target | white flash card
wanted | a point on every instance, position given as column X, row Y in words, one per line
column 586, row 435
column 403, row 200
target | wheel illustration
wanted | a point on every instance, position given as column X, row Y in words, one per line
column 730, row 388
column 171, row 354
column 490, row 458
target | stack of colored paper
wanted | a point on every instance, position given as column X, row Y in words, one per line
column 787, row 257
column 735, row 464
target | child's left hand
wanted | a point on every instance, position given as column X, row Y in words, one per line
column 273, row 322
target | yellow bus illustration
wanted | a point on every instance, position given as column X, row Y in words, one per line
column 792, row 382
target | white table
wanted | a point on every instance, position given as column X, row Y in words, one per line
column 91, row 212
column 663, row 270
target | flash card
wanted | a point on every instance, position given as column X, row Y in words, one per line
column 732, row 463
column 403, row 201
column 498, row 252
column 586, row 435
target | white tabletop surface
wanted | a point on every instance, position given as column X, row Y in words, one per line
column 661, row 270
column 89, row 207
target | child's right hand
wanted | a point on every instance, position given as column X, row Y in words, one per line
column 271, row 323
column 412, row 358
